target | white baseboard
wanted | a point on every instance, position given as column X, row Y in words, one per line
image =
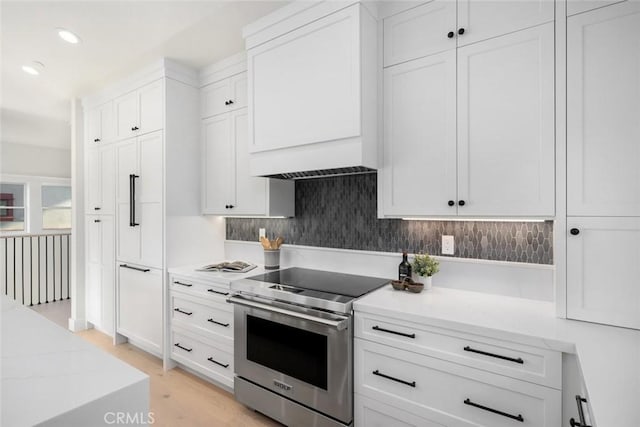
column 515, row 279
column 76, row 325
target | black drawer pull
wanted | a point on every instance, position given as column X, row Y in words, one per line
column 210, row 359
column 218, row 292
column 144, row 270
column 188, row 313
column 582, row 422
column 378, row 328
column 410, row 384
column 183, row 348
column 495, row 411
column 498, row 356
column 188, row 285
column 226, row 325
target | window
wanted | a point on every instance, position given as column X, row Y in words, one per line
column 56, row 206
column 12, row 207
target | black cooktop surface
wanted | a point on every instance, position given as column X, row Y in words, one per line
column 326, row 281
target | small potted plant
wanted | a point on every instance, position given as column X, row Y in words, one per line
column 423, row 267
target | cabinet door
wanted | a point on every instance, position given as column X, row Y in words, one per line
column 215, row 98
column 481, row 19
column 506, row 125
column 126, row 164
column 251, row 192
column 107, row 171
column 579, row 6
column 149, row 218
column 93, row 182
column 149, row 184
column 151, row 110
column 126, row 115
column 418, row 32
column 420, row 136
column 304, row 86
column 107, row 278
column 139, row 306
column 93, row 280
column 128, row 243
column 219, row 171
column 603, row 266
column 93, row 123
column 238, row 85
column 603, row 111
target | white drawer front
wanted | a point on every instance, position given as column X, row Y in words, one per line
column 435, row 389
column 213, row 319
column 371, row 413
column 213, row 291
column 518, row 361
column 202, row 356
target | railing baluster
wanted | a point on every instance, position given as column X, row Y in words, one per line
column 6, row 268
column 68, row 268
column 30, row 271
column 60, row 238
column 22, row 266
column 53, row 265
column 14, row 268
column 46, row 269
column 39, row 261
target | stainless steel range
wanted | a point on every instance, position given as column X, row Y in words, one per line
column 294, row 344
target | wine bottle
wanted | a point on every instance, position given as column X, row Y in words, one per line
column 404, row 269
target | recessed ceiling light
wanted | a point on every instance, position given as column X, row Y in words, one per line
column 34, row 68
column 68, row 36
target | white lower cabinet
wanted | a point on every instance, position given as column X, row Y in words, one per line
column 140, row 306
column 427, row 376
column 99, row 276
column 201, row 327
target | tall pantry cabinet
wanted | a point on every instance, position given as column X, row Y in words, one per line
column 603, row 158
column 146, row 173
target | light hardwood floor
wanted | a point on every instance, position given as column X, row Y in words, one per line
column 178, row 398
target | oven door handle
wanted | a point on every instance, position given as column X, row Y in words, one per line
column 338, row 324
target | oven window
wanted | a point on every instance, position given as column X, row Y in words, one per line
column 295, row 352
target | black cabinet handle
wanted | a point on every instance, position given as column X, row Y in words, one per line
column 188, row 285
column 495, row 411
column 582, row 422
column 217, row 292
column 461, row 203
column 183, row 348
column 226, row 102
column 230, row 101
column 229, row 206
column 410, row 384
column 188, row 313
column 96, row 208
column 574, row 231
column 132, row 200
column 96, row 220
column 210, row 359
column 461, row 31
column 226, row 325
column 451, row 203
column 144, row 270
column 135, row 128
column 96, row 140
column 378, row 328
column 226, row 206
column 450, row 34
column 498, row 356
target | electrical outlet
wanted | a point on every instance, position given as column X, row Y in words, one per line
column 447, row 245
column 262, row 233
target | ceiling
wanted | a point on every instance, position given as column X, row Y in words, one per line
column 118, row 37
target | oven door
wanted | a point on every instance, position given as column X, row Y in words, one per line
column 302, row 354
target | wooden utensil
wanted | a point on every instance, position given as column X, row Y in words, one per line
column 279, row 242
column 265, row 243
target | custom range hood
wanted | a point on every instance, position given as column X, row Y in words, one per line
column 312, row 90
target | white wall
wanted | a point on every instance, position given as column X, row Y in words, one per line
column 22, row 159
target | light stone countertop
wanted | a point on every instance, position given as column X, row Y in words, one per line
column 53, row 377
column 609, row 356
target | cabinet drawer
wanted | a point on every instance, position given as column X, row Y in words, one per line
column 213, row 319
column 371, row 413
column 203, row 356
column 451, row 394
column 218, row 292
column 518, row 361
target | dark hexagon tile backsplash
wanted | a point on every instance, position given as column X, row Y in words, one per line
column 341, row 212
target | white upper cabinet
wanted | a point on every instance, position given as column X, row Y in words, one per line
column 603, row 112
column 602, row 285
column 100, row 184
column 100, row 124
column 482, row 19
column 312, row 91
column 421, row 31
column 224, row 95
column 218, row 172
column 506, row 143
column 140, row 111
column 420, row 136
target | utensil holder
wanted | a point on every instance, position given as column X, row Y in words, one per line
column 271, row 259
